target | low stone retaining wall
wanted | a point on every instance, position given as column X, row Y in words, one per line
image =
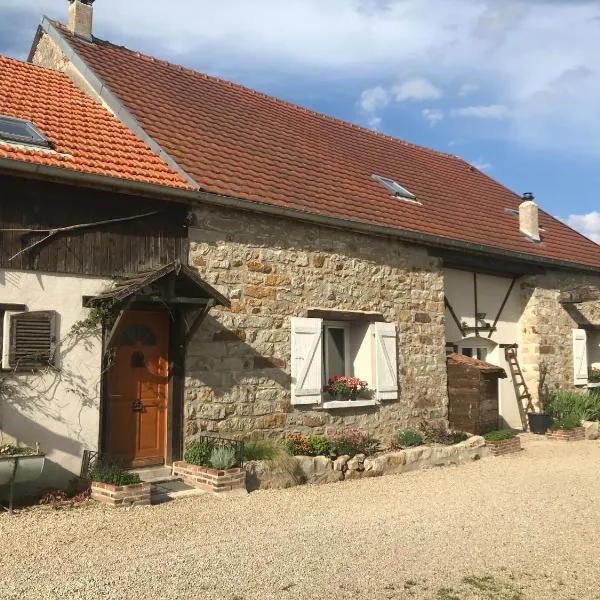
column 567, row 435
column 216, row 481
column 500, row 447
column 320, row 469
column 121, row 496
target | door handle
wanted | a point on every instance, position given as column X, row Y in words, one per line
column 137, row 406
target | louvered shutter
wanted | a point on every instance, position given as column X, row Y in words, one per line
column 32, row 339
column 386, row 361
column 580, row 361
column 307, row 360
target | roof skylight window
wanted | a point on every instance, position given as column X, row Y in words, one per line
column 21, row 131
column 394, row 187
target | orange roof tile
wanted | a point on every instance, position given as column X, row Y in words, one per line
column 85, row 136
column 240, row 143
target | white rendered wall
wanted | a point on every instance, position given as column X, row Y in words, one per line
column 491, row 291
column 58, row 409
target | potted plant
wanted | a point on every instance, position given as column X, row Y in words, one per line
column 19, row 464
column 114, row 486
column 567, row 428
column 502, row 442
column 540, row 421
column 594, row 375
column 346, row 388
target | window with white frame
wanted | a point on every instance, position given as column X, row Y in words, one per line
column 27, row 339
column 586, row 357
column 322, row 349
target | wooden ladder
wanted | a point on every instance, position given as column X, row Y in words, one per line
column 521, row 389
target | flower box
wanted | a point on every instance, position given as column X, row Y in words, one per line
column 216, row 481
column 501, row 447
column 21, row 469
column 137, row 494
column 567, row 435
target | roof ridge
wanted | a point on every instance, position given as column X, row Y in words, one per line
column 316, row 113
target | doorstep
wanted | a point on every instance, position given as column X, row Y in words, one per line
column 155, row 474
column 172, row 490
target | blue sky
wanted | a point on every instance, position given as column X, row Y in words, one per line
column 512, row 86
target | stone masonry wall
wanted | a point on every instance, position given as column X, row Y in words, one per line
column 545, row 328
column 238, row 364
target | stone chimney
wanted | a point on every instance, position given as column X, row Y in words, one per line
column 81, row 14
column 529, row 221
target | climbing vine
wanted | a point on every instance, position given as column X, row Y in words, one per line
column 99, row 315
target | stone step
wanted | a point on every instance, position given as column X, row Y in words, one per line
column 171, row 490
column 155, row 474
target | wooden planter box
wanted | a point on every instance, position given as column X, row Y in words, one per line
column 216, row 481
column 567, row 435
column 498, row 448
column 137, row 494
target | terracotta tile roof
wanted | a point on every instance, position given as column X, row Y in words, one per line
column 240, row 143
column 85, row 136
column 475, row 362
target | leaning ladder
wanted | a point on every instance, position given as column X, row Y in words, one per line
column 521, row 389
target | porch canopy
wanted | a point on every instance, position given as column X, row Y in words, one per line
column 175, row 286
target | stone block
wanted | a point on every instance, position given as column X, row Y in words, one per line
column 592, row 430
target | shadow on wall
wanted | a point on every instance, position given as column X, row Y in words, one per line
column 53, row 407
column 230, row 384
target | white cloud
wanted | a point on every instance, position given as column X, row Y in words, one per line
column 416, row 88
column 588, row 224
column 492, row 111
column 467, row 88
column 373, row 99
column 433, row 115
column 482, row 165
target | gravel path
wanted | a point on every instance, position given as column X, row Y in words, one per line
column 513, row 528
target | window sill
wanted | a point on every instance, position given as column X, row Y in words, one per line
column 594, row 384
column 348, row 404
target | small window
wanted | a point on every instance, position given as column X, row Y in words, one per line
column 323, row 349
column 394, row 187
column 29, row 340
column 478, row 353
column 22, row 132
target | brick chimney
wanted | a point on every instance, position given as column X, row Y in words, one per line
column 81, row 14
column 529, row 221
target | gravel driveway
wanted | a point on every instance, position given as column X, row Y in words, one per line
column 519, row 527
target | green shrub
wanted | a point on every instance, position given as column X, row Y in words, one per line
column 222, row 458
column 113, row 474
column 438, row 433
column 261, row 450
column 561, row 404
column 567, row 422
column 351, row 442
column 408, row 438
column 320, row 445
column 199, row 453
column 498, row 436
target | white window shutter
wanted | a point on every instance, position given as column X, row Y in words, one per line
column 386, row 361
column 307, row 360
column 580, row 360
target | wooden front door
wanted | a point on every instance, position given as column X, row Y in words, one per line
column 138, row 389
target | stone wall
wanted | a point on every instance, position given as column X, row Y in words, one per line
column 238, row 364
column 545, row 327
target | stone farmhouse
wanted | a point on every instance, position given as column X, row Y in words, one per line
column 322, row 249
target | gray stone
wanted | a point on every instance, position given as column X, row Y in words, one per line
column 316, row 469
column 278, row 474
column 475, row 441
column 341, row 462
column 592, row 430
column 356, row 463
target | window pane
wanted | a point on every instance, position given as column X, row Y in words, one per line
column 481, row 353
column 467, row 352
column 335, row 359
